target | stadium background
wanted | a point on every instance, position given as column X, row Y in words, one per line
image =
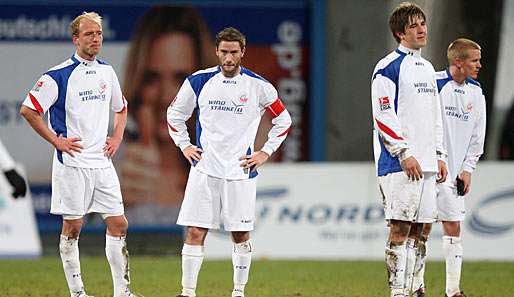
column 320, row 193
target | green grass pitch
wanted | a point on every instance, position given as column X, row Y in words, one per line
column 160, row 277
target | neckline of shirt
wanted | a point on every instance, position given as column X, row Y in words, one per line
column 409, row 51
column 84, row 61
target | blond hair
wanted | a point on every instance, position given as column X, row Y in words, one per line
column 459, row 49
column 91, row 16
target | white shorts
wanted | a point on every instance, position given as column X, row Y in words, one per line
column 450, row 206
column 210, row 201
column 78, row 191
column 406, row 200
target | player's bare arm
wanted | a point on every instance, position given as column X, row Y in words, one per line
column 68, row 145
column 192, row 152
column 113, row 143
column 411, row 168
column 465, row 176
column 442, row 171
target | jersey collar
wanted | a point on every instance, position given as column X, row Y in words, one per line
column 408, row 51
column 84, row 61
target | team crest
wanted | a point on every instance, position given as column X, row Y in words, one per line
column 102, row 87
column 469, row 107
column 37, row 86
column 243, row 99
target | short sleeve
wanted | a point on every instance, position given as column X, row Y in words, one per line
column 118, row 101
column 43, row 95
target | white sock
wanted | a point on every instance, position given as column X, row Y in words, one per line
column 410, row 264
column 192, row 258
column 69, row 250
column 241, row 261
column 418, row 281
column 118, row 257
column 452, row 248
column 396, row 256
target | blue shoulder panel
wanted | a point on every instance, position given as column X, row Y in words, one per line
column 392, row 71
column 58, row 109
column 197, row 81
column 252, row 74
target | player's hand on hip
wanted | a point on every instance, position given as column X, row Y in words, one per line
column 111, row 146
column 254, row 160
column 466, row 178
column 192, row 152
column 412, row 169
column 442, row 171
column 68, row 145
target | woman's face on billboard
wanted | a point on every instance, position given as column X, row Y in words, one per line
column 170, row 60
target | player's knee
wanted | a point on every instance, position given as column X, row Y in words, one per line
column 71, row 228
column 451, row 228
column 241, row 237
column 195, row 235
column 116, row 225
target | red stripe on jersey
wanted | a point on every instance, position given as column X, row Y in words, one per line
column 387, row 130
column 172, row 129
column 276, row 108
column 285, row 132
column 35, row 103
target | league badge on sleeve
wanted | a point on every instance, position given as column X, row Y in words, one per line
column 37, row 86
column 384, row 103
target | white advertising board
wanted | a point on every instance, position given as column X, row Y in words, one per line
column 19, row 237
column 334, row 211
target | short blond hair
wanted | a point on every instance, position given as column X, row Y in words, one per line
column 459, row 49
column 91, row 16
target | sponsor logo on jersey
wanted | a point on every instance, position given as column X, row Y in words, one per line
column 90, row 72
column 384, row 103
column 221, row 105
column 37, row 86
column 453, row 111
column 423, row 87
column 89, row 95
column 229, row 81
column 460, row 91
column 419, row 64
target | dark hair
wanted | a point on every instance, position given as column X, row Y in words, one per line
column 231, row 34
column 402, row 16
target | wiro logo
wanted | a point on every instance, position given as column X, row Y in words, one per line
column 481, row 224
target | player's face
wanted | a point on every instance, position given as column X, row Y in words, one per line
column 230, row 54
column 415, row 36
column 170, row 60
column 89, row 40
column 471, row 65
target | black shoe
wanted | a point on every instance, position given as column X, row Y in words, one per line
column 182, row 296
column 419, row 293
column 461, row 294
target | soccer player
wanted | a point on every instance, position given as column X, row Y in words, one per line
column 408, row 142
column 229, row 101
column 464, row 119
column 78, row 95
column 7, row 166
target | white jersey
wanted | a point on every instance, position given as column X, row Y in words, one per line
column 464, row 118
column 406, row 112
column 79, row 95
column 228, row 113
